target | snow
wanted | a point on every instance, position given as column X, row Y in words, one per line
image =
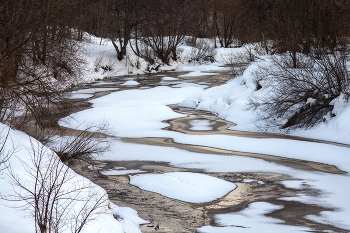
column 94, row 90
column 130, row 83
column 185, row 159
column 96, row 167
column 180, row 85
column 122, row 110
column 12, row 220
column 104, row 83
column 229, row 102
column 89, row 92
column 129, row 219
column 81, row 96
column 197, row 73
column 169, row 79
column 200, row 68
column 184, row 186
column 251, row 219
column 201, row 125
column 117, row 171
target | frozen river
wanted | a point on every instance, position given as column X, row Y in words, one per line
column 185, row 170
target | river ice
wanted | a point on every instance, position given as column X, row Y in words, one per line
column 140, row 113
column 184, row 186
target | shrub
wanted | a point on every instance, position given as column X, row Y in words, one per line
column 300, row 97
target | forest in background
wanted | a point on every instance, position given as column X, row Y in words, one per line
column 40, row 40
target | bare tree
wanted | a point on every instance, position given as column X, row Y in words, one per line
column 52, row 194
column 224, row 17
column 123, row 17
column 38, row 58
column 5, row 152
column 309, row 27
column 81, row 144
column 164, row 30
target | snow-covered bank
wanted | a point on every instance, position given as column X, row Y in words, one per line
column 101, row 61
column 230, row 102
column 13, row 220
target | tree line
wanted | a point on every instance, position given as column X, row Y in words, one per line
column 39, row 49
column 293, row 25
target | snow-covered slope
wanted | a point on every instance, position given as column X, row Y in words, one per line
column 229, row 102
column 13, row 220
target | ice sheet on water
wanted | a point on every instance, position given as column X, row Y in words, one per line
column 81, row 96
column 169, row 78
column 197, row 73
column 130, row 83
column 184, row 186
column 251, row 219
column 201, row 125
column 118, row 172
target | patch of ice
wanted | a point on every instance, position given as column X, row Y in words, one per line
column 251, row 219
column 96, row 167
column 293, row 184
column 201, row 125
column 251, row 180
column 183, row 84
column 130, row 83
column 104, row 83
column 81, row 96
column 184, row 186
column 197, row 73
column 129, row 218
column 169, row 79
column 113, row 172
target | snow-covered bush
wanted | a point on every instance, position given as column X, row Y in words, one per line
column 237, row 60
column 202, row 52
column 52, row 194
column 300, row 97
column 105, row 63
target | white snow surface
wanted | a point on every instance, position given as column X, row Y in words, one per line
column 132, row 112
column 201, row 125
column 184, row 186
column 169, row 78
column 251, row 219
column 120, row 171
column 229, row 102
column 12, row 220
column 131, row 83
